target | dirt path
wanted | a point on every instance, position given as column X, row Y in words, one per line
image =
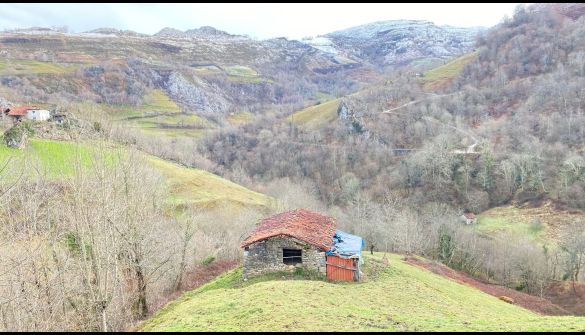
column 433, row 96
column 469, row 150
column 530, row 302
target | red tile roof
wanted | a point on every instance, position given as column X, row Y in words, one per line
column 19, row 110
column 469, row 216
column 304, row 225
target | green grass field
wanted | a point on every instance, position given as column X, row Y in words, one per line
column 490, row 225
column 58, row 160
column 426, row 63
column 316, row 116
column 157, row 100
column 159, row 115
column 174, row 120
column 54, row 159
column 441, row 76
column 400, row 298
column 544, row 223
column 23, row 67
column 174, row 132
column 239, row 73
column 201, row 188
column 205, row 70
column 154, row 102
column 240, row 118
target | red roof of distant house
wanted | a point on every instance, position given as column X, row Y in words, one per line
column 19, row 110
column 469, row 216
column 304, row 225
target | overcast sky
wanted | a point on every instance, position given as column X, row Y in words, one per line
column 256, row 20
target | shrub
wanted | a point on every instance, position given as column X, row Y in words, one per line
column 536, row 226
column 16, row 137
column 208, row 260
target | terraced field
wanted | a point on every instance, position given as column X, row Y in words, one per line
column 26, row 67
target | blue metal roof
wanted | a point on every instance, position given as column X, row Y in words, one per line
column 346, row 245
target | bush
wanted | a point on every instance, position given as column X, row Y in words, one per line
column 97, row 126
column 208, row 260
column 536, row 226
column 16, row 137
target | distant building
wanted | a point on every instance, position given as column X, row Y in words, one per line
column 302, row 238
column 469, row 218
column 17, row 113
column 38, row 114
column 60, row 118
column 14, row 113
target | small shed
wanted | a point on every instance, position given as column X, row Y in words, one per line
column 301, row 238
column 468, row 218
column 345, row 257
column 60, row 118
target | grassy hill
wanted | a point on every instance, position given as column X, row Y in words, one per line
column 542, row 223
column 443, row 75
column 319, row 115
column 398, row 297
column 188, row 186
column 160, row 115
column 198, row 187
column 25, row 67
column 316, row 116
column 155, row 102
column 54, row 159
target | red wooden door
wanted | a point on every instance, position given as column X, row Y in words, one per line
column 340, row 269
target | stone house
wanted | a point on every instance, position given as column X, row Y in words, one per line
column 301, row 238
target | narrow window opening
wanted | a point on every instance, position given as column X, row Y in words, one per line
column 292, row 256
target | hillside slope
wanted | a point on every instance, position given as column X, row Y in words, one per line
column 198, row 187
column 187, row 186
column 398, row 297
column 316, row 116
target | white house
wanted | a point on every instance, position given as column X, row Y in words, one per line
column 38, row 114
column 17, row 113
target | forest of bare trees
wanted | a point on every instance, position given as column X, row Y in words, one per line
column 95, row 251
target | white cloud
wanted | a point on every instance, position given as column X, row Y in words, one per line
column 256, row 20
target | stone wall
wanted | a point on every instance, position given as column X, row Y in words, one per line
column 266, row 256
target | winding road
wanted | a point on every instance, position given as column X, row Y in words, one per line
column 469, row 150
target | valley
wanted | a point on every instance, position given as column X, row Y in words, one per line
column 456, row 153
